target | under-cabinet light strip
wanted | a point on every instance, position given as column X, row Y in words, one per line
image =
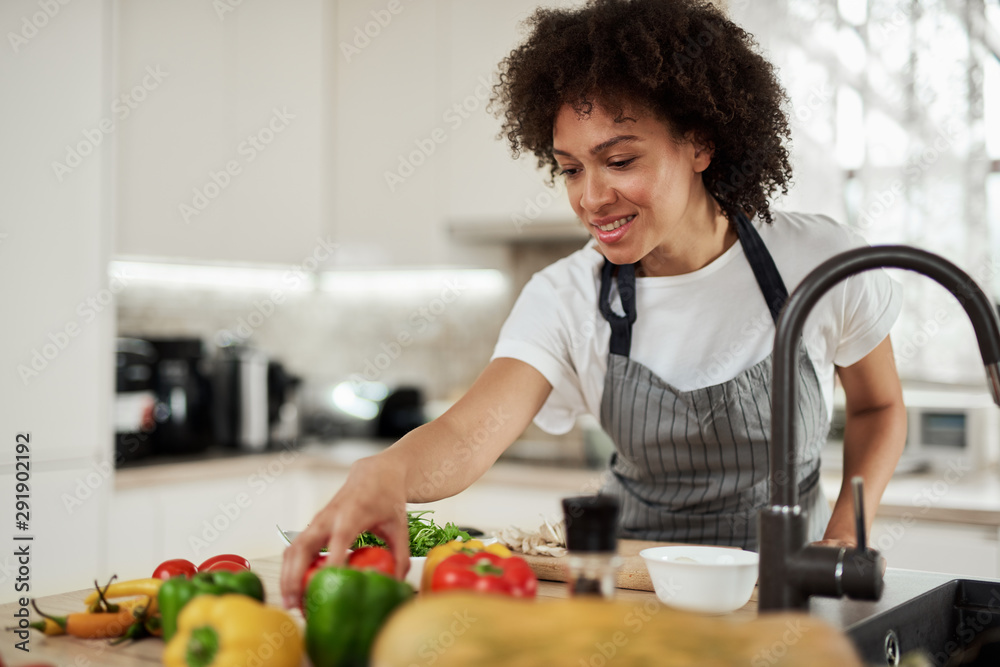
column 293, row 279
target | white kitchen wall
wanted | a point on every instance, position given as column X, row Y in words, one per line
column 56, row 377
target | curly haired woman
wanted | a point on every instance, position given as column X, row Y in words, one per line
column 668, row 129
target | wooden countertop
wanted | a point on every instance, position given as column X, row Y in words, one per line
column 335, row 457
column 900, row 585
column 957, row 495
column 66, row 651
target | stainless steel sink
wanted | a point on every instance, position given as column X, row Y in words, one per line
column 957, row 623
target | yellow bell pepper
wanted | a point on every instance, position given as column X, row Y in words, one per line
column 233, row 630
column 442, row 551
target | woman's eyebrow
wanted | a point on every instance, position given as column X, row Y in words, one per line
column 604, row 145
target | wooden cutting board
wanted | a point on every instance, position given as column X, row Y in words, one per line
column 632, row 574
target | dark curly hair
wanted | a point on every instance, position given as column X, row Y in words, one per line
column 683, row 60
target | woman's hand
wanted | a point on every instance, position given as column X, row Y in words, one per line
column 836, row 543
column 846, row 544
column 434, row 461
column 372, row 499
column 874, row 437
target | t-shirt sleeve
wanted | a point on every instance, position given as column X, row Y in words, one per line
column 537, row 333
column 872, row 302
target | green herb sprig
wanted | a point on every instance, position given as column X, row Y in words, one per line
column 424, row 534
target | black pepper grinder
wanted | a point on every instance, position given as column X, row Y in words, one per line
column 592, row 541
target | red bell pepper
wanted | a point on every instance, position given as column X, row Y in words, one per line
column 486, row 573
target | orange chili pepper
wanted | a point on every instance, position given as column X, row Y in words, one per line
column 89, row 625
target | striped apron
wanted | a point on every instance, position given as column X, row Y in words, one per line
column 692, row 466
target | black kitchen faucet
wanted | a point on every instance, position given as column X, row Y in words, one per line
column 790, row 571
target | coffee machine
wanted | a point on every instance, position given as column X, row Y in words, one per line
column 251, row 399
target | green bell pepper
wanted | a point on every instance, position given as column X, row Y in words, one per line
column 178, row 591
column 344, row 610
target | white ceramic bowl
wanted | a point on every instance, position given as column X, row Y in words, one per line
column 711, row 580
column 416, row 571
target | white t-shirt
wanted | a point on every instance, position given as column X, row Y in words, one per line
column 698, row 329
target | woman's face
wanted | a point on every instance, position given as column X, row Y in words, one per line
column 633, row 184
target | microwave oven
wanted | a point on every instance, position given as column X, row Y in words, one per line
column 943, row 425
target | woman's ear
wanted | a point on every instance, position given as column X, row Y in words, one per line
column 704, row 150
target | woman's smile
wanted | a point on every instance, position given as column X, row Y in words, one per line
column 609, row 231
column 614, row 224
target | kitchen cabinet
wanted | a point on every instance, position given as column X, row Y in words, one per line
column 220, row 123
column 218, row 508
column 941, row 520
column 63, row 535
column 392, row 136
column 54, row 235
column 936, row 546
column 235, row 515
column 54, row 245
column 245, row 134
column 416, row 149
column 487, row 186
column 135, row 534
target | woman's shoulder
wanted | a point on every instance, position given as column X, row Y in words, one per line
column 812, row 235
column 579, row 270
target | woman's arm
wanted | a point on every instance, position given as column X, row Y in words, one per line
column 434, row 461
column 445, row 456
column 874, row 437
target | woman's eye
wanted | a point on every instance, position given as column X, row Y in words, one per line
column 569, row 172
column 622, row 163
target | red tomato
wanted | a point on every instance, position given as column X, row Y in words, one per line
column 372, row 558
column 227, row 565
column 318, row 562
column 175, row 567
column 231, row 558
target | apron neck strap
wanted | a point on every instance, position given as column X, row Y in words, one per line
column 764, row 270
column 621, row 325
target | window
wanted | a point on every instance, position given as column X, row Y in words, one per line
column 895, row 111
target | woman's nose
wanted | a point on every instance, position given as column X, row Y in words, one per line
column 596, row 192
